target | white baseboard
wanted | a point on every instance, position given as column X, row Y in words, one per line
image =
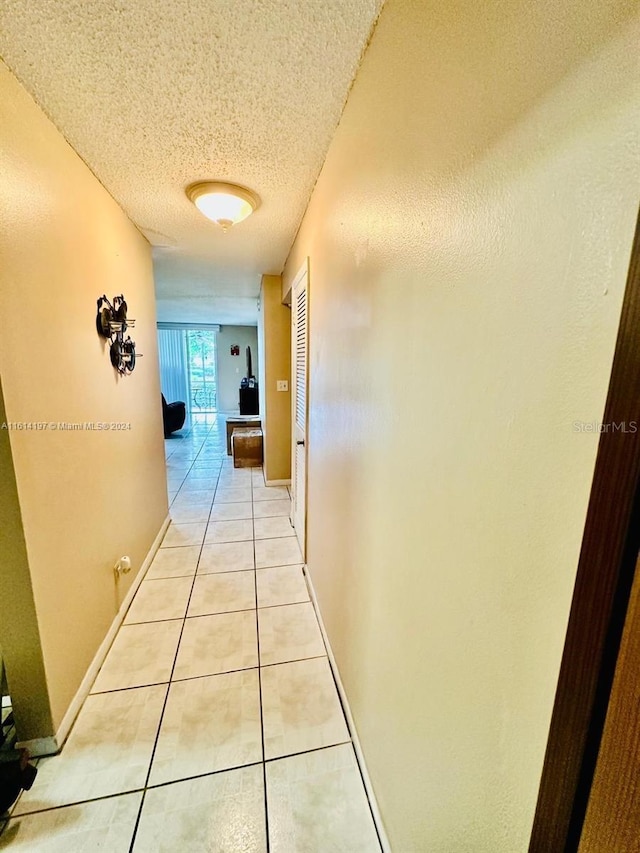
column 377, row 817
column 278, row 482
column 39, row 746
column 51, row 745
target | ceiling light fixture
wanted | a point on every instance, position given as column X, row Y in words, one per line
column 225, row 204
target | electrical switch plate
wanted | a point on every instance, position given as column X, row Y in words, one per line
column 282, row 385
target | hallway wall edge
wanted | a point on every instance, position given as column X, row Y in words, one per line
column 373, row 803
column 51, row 745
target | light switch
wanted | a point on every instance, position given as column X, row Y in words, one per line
column 282, row 385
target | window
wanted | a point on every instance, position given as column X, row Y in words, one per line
column 188, row 367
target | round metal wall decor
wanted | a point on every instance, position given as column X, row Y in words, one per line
column 111, row 323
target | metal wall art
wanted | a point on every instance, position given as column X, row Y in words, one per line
column 112, row 323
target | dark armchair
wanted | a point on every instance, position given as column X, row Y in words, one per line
column 173, row 416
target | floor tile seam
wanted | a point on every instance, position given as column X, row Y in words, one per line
column 214, row 674
column 204, row 572
column 203, row 775
column 166, row 697
column 150, row 621
column 150, row 787
column 282, row 566
column 292, row 660
column 269, row 538
column 229, row 541
column 112, row 796
column 227, row 571
column 176, row 577
column 294, row 754
column 284, row 604
column 169, row 578
column 222, row 612
column 130, row 687
column 259, row 517
column 264, row 766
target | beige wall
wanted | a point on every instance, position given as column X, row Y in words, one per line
column 274, row 334
column 86, row 497
column 469, row 238
column 231, row 368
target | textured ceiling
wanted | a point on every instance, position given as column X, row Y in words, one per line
column 155, row 94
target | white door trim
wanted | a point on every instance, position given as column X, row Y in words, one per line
column 299, row 432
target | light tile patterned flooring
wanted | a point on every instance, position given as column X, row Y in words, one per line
column 214, row 723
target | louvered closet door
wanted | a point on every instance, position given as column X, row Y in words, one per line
column 300, row 383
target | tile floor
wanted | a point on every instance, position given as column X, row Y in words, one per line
column 214, row 723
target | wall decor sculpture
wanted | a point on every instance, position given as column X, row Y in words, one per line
column 112, row 323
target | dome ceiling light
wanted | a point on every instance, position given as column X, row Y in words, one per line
column 225, row 204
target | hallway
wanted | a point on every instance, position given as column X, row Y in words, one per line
column 216, row 686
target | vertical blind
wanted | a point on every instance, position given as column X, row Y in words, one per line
column 172, row 351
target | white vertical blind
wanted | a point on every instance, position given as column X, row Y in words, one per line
column 173, row 365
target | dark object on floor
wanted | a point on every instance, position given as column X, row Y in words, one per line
column 249, row 404
column 247, row 448
column 7, row 727
column 173, row 416
column 15, row 776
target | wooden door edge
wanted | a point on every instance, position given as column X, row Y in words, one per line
column 600, row 599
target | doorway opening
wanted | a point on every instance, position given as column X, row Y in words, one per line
column 201, row 369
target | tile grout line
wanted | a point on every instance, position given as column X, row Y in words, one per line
column 12, row 810
column 175, row 658
column 177, row 781
column 208, row 674
column 264, row 766
column 221, row 472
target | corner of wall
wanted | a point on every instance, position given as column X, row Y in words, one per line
column 276, row 344
column 20, row 643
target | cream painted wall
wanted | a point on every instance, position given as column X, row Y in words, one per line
column 231, row 368
column 86, row 497
column 274, row 336
column 469, row 239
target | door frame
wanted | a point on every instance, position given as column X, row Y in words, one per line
column 303, row 272
column 600, row 598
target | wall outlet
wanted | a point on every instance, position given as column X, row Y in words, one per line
column 282, row 385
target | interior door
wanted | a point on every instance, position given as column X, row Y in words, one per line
column 597, row 617
column 299, row 359
column 612, row 822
